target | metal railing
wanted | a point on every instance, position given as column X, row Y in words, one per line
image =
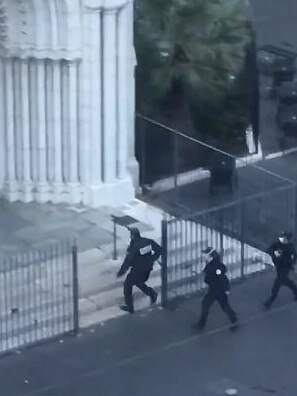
column 38, row 295
column 175, row 167
column 241, row 231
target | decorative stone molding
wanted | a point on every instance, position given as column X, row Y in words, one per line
column 3, row 26
column 105, row 5
column 40, row 29
column 66, row 77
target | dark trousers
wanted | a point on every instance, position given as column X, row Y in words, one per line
column 137, row 280
column 208, row 300
column 282, row 279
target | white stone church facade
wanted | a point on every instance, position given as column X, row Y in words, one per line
column 67, row 101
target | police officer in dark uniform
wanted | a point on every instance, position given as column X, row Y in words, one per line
column 283, row 255
column 218, row 289
column 140, row 258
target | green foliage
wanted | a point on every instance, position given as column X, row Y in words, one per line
column 199, row 44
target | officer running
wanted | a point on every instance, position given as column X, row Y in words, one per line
column 283, row 255
column 218, row 289
column 140, row 258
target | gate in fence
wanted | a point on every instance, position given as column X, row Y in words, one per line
column 241, row 231
column 38, row 295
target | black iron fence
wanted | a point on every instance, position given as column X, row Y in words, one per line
column 38, row 295
column 241, row 231
column 236, row 204
column 185, row 174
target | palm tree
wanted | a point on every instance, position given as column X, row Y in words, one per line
column 195, row 46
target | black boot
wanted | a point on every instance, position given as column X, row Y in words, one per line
column 126, row 308
column 154, row 297
column 234, row 326
column 267, row 304
column 198, row 327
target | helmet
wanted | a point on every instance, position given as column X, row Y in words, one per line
column 286, row 234
column 134, row 231
column 211, row 252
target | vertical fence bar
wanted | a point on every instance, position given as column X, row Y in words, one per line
column 242, row 239
column 52, row 300
column 12, row 306
column 178, row 256
column 292, row 192
column 164, row 269
column 2, row 308
column 175, row 165
column 63, row 265
column 115, row 250
column 75, row 289
column 55, row 286
column 181, row 289
column 58, row 288
column 200, row 246
column 17, row 298
column 8, row 303
column 36, row 324
column 221, row 228
column 171, row 254
column 70, row 286
column 47, row 300
column 29, row 291
column 192, row 258
column 23, row 303
column 42, row 299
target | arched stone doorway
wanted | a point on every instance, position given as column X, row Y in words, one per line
column 66, row 70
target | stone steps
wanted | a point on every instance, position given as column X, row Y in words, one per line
column 104, row 305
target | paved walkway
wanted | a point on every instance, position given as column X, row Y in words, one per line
column 155, row 352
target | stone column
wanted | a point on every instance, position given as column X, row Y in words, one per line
column 85, row 84
column 110, row 122
column 65, row 121
column 133, row 165
column 10, row 182
column 2, row 125
column 17, row 98
column 42, row 186
column 73, row 132
column 57, row 130
column 49, row 123
column 95, row 62
column 33, row 100
column 123, row 93
column 104, row 58
column 25, row 131
column 91, row 145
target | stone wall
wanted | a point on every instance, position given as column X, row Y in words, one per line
column 67, row 108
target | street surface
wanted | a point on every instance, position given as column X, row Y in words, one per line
column 157, row 353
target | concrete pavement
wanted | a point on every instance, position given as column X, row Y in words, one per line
column 155, row 352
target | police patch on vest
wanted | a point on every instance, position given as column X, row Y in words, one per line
column 145, row 250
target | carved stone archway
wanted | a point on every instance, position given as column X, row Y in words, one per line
column 66, row 72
